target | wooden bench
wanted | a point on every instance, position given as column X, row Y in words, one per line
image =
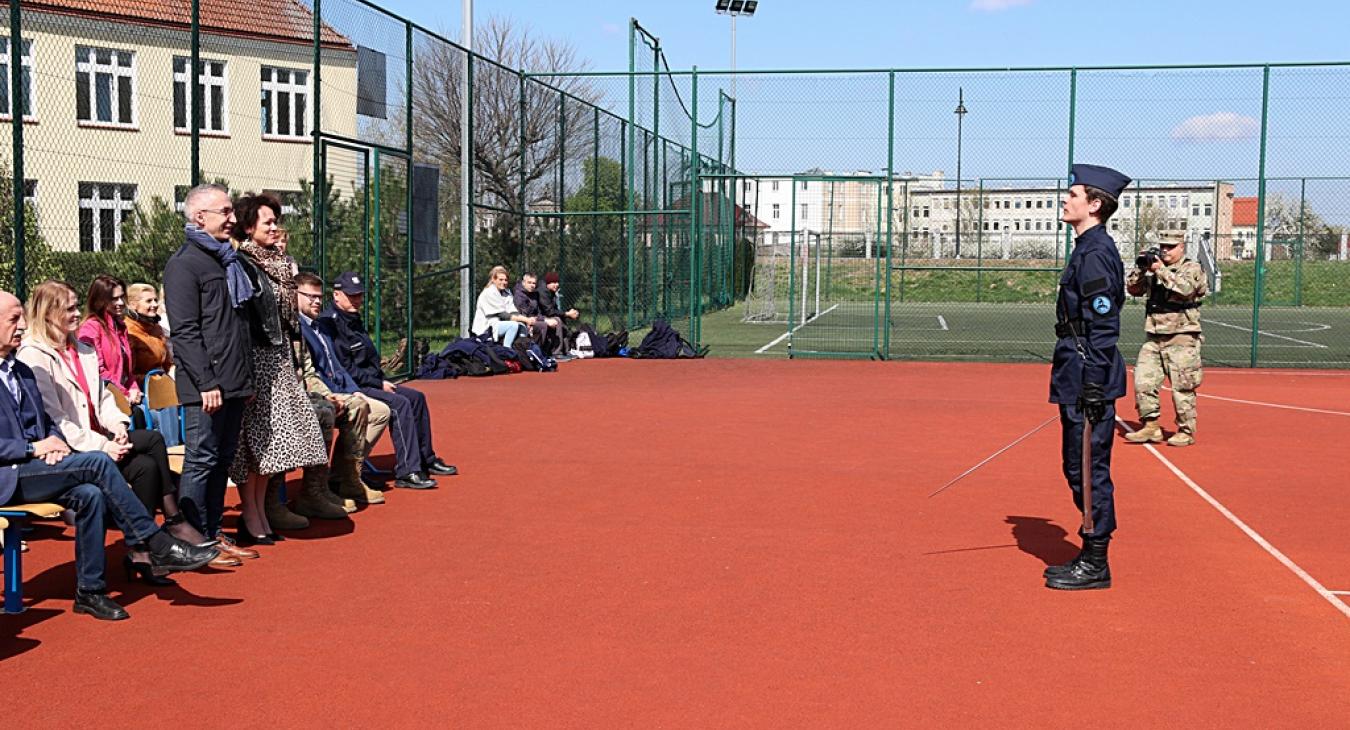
column 12, row 519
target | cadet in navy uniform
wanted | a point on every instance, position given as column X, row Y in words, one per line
column 1088, row 373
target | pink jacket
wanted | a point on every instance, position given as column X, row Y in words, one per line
column 110, row 342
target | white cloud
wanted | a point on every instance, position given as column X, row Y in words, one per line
column 994, row 6
column 1217, row 127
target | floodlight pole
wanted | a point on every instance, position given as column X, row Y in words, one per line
column 960, row 116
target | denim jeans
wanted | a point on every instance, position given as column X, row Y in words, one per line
column 508, row 331
column 90, row 484
column 211, row 443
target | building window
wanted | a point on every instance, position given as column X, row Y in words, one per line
column 1017, row 204
column 1149, row 200
column 996, row 225
column 1171, row 201
column 803, row 185
column 1209, row 209
column 916, row 212
column 1125, row 202
column 1026, row 224
column 1039, row 202
column 105, row 86
column 1038, row 225
column 211, row 82
column 986, row 225
column 104, row 207
column 745, row 186
column 27, row 67
column 804, row 211
column 775, row 211
column 996, row 205
column 1183, row 224
column 1195, row 210
column 925, row 211
column 1185, row 200
column 773, row 185
column 285, row 96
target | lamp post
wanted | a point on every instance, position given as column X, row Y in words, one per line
column 734, row 8
column 960, row 117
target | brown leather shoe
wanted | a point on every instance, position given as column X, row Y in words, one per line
column 227, row 547
column 225, row 561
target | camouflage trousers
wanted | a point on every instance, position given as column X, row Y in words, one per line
column 1175, row 358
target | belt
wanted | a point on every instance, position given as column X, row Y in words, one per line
column 1071, row 328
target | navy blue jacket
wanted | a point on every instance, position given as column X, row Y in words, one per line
column 1091, row 293
column 329, row 369
column 356, row 352
column 212, row 342
column 14, row 436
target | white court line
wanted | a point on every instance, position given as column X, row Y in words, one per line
column 942, row 322
column 1340, row 593
column 783, row 336
column 1275, row 405
column 1330, row 596
column 1267, row 334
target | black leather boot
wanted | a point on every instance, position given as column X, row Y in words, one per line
column 1091, row 572
column 1063, row 568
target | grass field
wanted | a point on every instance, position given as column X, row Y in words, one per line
column 1289, row 336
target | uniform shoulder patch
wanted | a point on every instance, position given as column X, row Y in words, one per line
column 1101, row 305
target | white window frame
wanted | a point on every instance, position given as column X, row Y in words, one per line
column 93, row 68
column 30, row 114
column 118, row 204
column 804, row 209
column 289, row 87
column 775, row 211
column 206, row 81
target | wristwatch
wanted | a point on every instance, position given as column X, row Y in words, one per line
column 29, row 451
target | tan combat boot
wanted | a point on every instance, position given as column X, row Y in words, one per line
column 314, row 499
column 347, row 475
column 1181, row 438
column 1150, row 431
column 278, row 515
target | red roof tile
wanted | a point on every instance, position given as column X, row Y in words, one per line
column 284, row 20
column 1244, row 211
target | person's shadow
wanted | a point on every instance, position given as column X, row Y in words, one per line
column 1042, row 538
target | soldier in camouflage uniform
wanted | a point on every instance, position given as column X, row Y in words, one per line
column 1174, row 286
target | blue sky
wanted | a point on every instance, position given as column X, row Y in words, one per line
column 908, row 33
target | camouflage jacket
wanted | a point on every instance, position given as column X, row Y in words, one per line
column 1176, row 288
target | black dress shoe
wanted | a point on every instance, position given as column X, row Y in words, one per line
column 442, row 469
column 99, row 606
column 178, row 556
column 414, row 481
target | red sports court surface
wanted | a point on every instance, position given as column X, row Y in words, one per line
column 738, row 543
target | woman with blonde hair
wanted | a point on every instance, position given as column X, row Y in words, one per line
column 496, row 311
column 87, row 415
column 149, row 342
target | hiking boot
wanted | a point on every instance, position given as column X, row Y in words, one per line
column 314, row 499
column 347, row 473
column 279, row 516
column 1181, row 438
column 1149, row 432
column 1063, row 568
column 1090, row 573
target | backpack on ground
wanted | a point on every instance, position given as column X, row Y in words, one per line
column 664, row 343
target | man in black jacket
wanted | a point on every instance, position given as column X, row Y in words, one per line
column 410, row 427
column 548, row 330
column 206, row 293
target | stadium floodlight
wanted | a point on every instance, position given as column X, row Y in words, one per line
column 750, row 7
column 722, row 5
column 736, row 6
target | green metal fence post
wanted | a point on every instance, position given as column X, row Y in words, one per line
column 1258, row 293
column 17, row 110
column 319, row 186
column 410, row 350
column 595, row 221
column 876, row 280
column 1073, row 119
column 562, row 184
column 378, row 235
column 792, row 265
column 524, row 204
column 1298, row 252
column 695, row 228
column 632, row 168
column 468, row 253
column 890, row 211
column 195, row 93
column 979, row 242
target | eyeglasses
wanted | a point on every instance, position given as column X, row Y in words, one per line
column 307, row 295
column 223, row 211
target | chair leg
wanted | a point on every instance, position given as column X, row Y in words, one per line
column 13, row 566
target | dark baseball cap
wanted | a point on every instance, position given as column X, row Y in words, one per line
column 349, row 283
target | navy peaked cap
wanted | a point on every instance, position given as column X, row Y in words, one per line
column 1103, row 178
column 349, row 283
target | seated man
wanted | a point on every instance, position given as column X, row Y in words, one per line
column 341, row 324
column 550, row 301
column 548, row 331
column 360, row 420
column 36, row 465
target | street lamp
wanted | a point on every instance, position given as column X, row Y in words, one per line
column 734, row 8
column 960, row 116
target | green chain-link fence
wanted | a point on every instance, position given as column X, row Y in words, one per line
column 762, row 213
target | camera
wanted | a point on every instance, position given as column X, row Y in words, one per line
column 1147, row 257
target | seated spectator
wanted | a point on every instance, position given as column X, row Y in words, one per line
column 550, row 299
column 104, row 330
column 36, row 465
column 149, row 342
column 88, row 418
column 547, row 331
column 496, row 311
column 345, row 340
column 360, row 420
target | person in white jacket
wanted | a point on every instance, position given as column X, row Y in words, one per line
column 496, row 311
